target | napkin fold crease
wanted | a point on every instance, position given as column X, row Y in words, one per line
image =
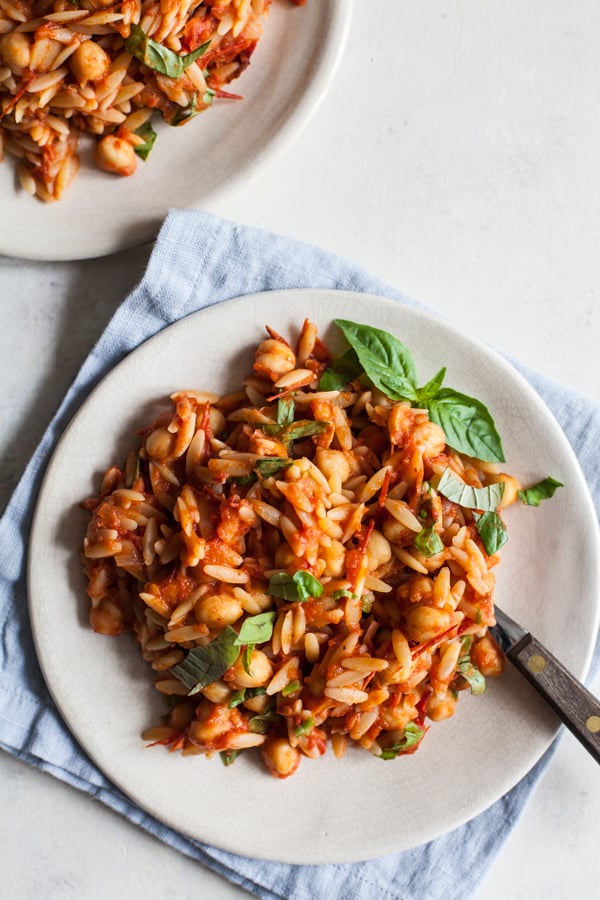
column 199, row 260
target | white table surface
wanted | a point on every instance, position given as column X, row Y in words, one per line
column 456, row 156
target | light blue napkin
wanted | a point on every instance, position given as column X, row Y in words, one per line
column 200, row 260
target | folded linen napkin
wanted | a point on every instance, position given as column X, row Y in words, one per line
column 200, row 260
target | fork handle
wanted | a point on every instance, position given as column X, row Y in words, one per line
column 570, row 700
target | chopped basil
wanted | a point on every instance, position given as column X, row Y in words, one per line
column 204, row 665
column 340, row 373
column 305, row 727
column 466, row 422
column 267, row 466
column 285, row 411
column 300, row 586
column 148, row 133
column 455, row 489
column 343, row 592
column 491, row 531
column 411, row 736
column 261, row 723
column 229, row 756
column 247, row 658
column 290, row 688
column 236, row 698
column 256, row 629
column 541, row 491
column 468, row 670
column 302, row 428
column 428, row 542
column 158, row 57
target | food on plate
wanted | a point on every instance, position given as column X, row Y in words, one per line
column 104, row 69
column 308, row 560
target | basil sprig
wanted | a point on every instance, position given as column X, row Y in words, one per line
column 300, row 586
column 428, row 542
column 204, row 665
column 466, row 421
column 456, row 490
column 541, row 491
column 159, row 58
column 411, row 736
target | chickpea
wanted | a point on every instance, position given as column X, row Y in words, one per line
column 423, row 623
column 113, row 154
column 217, row 692
column 439, row 708
column 286, row 559
column 281, row 759
column 261, row 671
column 274, row 359
column 218, row 610
column 378, row 550
column 212, row 722
column 334, row 558
column 15, row 49
column 335, row 467
column 89, row 62
column 511, row 488
column 487, row 656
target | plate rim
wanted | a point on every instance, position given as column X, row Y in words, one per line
column 510, row 780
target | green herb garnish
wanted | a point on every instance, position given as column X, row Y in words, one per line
column 205, row 665
column 411, row 736
column 301, row 586
column 468, row 670
column 261, row 723
column 158, row 57
column 541, row 491
column 466, row 422
column 290, row 688
column 305, row 727
column 455, row 489
column 428, row 542
column 491, row 530
column 256, row 629
column 340, row 373
column 228, row 757
column 148, row 133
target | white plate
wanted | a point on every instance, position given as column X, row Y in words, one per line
column 290, row 72
column 330, row 810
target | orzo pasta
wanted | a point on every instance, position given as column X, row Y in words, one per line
column 309, row 560
column 103, row 68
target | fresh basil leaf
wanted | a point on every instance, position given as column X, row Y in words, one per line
column 186, row 112
column 432, row 387
column 236, row 698
column 267, row 466
column 299, row 586
column 302, row 428
column 256, row 629
column 148, row 133
column 491, row 530
column 343, row 592
column 228, row 757
column 454, row 489
column 285, row 411
column 467, row 424
column 290, row 688
column 471, row 674
column 261, row 723
column 204, row 665
column 340, row 373
column 428, row 542
column 158, row 57
column 305, row 727
column 385, row 359
column 411, row 736
column 541, row 491
column 247, row 658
